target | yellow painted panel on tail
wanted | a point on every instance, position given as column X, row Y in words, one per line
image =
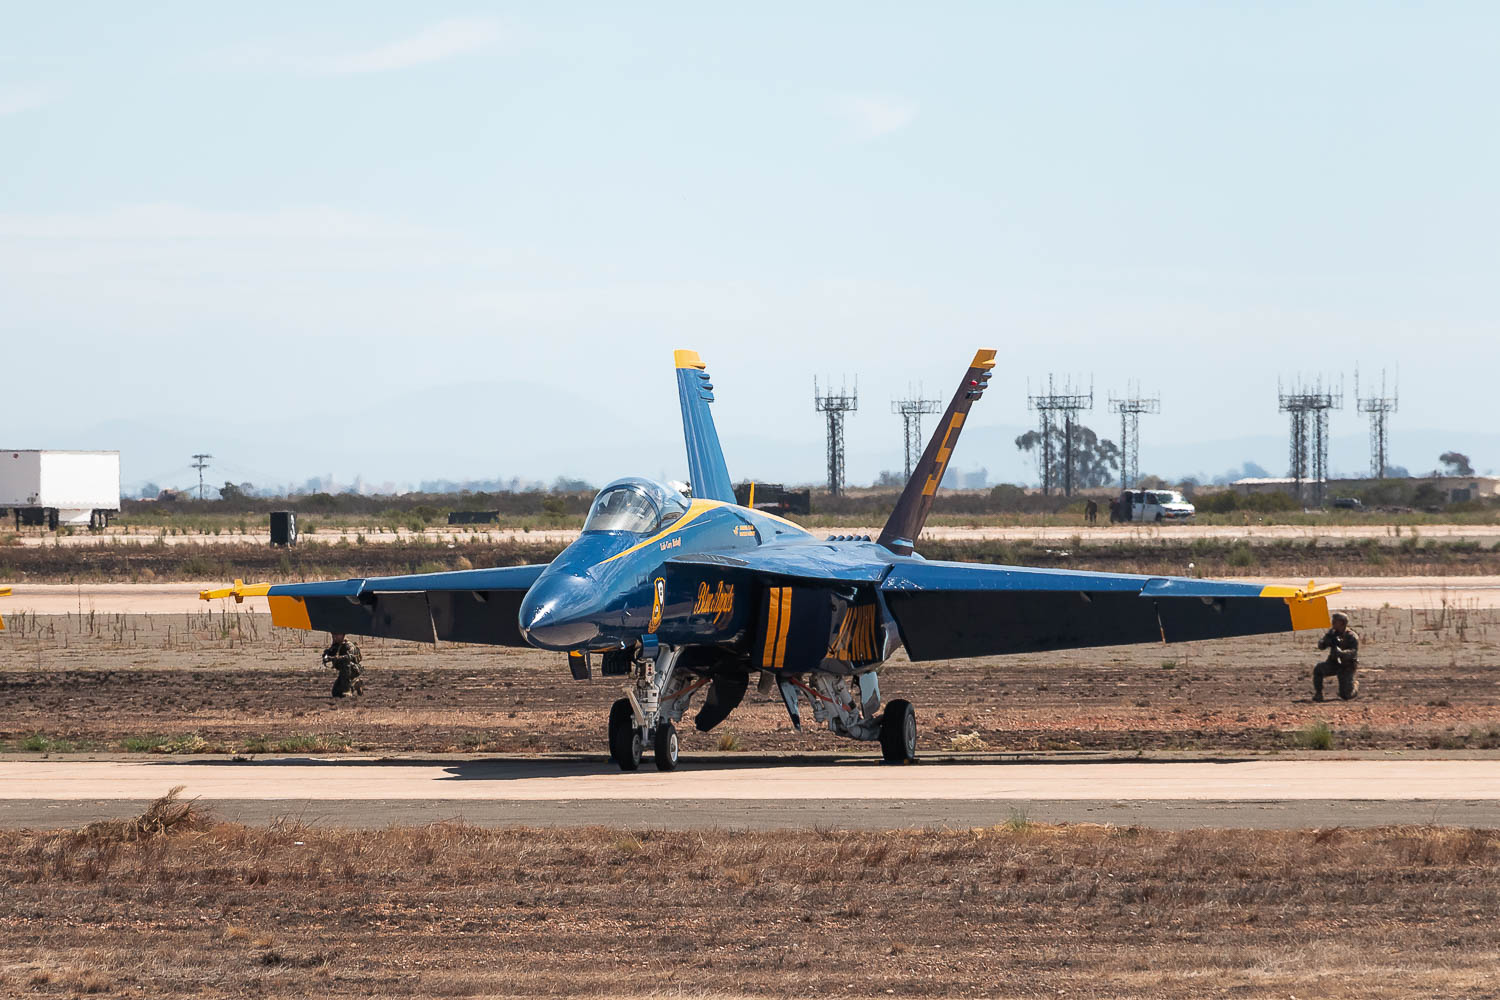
column 983, row 359
column 688, row 359
column 289, row 612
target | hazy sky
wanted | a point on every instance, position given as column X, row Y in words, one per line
column 366, row 229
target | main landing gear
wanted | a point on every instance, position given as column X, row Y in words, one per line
column 657, row 693
column 852, row 710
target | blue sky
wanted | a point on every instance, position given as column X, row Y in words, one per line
column 446, row 241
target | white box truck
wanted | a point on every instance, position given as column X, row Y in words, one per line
column 54, row 488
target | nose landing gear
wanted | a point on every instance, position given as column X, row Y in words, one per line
column 625, row 741
column 655, row 699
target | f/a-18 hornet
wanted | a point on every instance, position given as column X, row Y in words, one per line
column 675, row 593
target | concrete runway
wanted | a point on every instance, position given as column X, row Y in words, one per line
column 374, row 793
column 182, row 598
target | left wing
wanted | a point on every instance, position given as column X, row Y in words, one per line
column 948, row 609
column 472, row 605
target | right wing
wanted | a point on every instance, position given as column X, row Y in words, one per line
column 471, row 605
column 946, row 609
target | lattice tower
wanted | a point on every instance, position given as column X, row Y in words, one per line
column 1058, row 403
column 911, row 409
column 834, row 405
column 1130, row 407
column 1379, row 409
column 1309, row 405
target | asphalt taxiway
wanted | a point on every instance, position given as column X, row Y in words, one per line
column 849, row 794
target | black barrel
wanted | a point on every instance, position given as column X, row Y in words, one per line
column 283, row 527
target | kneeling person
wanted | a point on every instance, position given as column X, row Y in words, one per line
column 1342, row 643
column 344, row 657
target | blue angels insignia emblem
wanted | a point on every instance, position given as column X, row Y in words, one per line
column 658, row 603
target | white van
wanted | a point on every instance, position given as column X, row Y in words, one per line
column 1151, row 506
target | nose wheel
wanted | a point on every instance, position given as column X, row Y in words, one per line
column 625, row 741
column 666, row 746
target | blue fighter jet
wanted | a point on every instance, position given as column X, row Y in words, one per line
column 673, row 593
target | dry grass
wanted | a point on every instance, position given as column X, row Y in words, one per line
column 199, row 908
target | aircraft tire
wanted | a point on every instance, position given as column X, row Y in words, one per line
column 898, row 732
column 666, row 747
column 625, row 743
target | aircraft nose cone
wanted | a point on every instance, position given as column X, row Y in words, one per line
column 556, row 613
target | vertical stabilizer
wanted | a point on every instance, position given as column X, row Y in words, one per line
column 905, row 523
column 706, row 468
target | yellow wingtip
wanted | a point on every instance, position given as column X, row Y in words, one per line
column 239, row 591
column 688, row 359
column 4, row 591
column 984, row 358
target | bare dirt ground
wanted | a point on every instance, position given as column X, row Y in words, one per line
column 178, row 905
column 221, row 682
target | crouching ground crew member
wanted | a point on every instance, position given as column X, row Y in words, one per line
column 343, row 656
column 1342, row 643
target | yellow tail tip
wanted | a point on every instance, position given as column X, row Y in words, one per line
column 983, row 359
column 688, row 359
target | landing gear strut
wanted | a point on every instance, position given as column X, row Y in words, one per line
column 656, row 695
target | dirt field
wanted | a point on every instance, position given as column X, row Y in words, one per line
column 224, row 683
column 219, row 910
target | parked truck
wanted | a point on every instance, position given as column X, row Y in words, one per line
column 1150, row 506
column 55, row 488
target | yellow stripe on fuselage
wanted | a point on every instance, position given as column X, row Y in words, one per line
column 786, row 623
column 695, row 510
column 773, row 624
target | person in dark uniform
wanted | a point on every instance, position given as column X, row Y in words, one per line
column 1342, row 643
column 344, row 657
column 1091, row 511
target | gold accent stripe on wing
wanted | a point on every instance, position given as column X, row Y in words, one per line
column 289, row 612
column 786, row 623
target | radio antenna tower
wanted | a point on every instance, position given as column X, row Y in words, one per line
column 911, row 410
column 1309, row 404
column 1379, row 408
column 835, row 405
column 1051, row 406
column 1130, row 407
column 200, row 462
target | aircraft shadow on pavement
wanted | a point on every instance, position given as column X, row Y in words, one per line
column 515, row 769
column 575, row 765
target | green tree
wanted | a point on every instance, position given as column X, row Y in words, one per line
column 1096, row 460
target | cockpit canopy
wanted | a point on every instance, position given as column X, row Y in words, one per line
column 640, row 506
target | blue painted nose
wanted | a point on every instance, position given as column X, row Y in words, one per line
column 558, row 612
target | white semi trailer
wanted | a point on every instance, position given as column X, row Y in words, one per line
column 53, row 488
